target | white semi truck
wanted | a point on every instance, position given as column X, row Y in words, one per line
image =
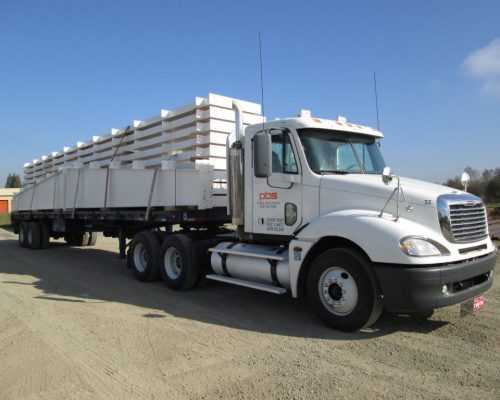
column 301, row 205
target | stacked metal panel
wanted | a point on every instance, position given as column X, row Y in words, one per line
column 90, row 188
column 193, row 134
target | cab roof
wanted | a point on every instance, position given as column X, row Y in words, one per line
column 304, row 120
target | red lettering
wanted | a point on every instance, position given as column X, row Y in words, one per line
column 268, row 196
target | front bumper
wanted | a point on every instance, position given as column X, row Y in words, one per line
column 420, row 288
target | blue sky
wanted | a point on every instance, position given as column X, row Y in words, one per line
column 73, row 69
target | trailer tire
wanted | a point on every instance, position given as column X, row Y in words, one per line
column 178, row 262
column 70, row 239
column 92, row 239
column 160, row 235
column 142, row 257
column 23, row 234
column 34, row 235
column 45, row 235
column 343, row 291
column 85, row 238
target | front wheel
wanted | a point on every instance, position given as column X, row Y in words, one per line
column 343, row 291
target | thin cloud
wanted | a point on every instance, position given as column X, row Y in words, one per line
column 484, row 62
column 491, row 88
column 484, row 65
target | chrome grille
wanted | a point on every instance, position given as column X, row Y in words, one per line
column 468, row 221
column 462, row 218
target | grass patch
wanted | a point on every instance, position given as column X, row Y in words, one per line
column 4, row 219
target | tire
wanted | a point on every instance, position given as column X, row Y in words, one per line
column 84, row 241
column 160, row 235
column 343, row 291
column 34, row 235
column 23, row 234
column 45, row 235
column 178, row 262
column 69, row 238
column 142, row 257
column 79, row 239
column 92, row 239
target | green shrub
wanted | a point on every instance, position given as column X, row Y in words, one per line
column 4, row 219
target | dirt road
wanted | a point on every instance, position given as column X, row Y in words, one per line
column 75, row 324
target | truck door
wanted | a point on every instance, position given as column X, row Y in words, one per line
column 278, row 199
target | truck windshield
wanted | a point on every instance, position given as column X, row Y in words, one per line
column 340, row 152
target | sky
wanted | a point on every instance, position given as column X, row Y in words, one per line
column 70, row 70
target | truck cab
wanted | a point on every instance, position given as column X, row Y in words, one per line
column 305, row 152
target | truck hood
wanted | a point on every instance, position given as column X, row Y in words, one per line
column 416, row 191
column 368, row 192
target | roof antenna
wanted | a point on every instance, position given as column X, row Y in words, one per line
column 376, row 99
column 261, row 82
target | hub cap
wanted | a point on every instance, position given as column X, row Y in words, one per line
column 140, row 257
column 338, row 291
column 173, row 263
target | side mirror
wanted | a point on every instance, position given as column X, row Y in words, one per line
column 387, row 175
column 262, row 155
column 465, row 179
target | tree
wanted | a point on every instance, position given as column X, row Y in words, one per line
column 492, row 191
column 13, row 181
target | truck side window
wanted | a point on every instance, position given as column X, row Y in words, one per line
column 284, row 160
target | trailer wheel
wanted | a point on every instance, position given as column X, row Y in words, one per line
column 178, row 266
column 34, row 235
column 142, row 256
column 343, row 290
column 70, row 239
column 23, row 234
column 45, row 235
column 92, row 239
column 82, row 239
column 78, row 239
column 160, row 235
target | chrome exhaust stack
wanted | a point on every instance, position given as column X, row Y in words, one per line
column 235, row 169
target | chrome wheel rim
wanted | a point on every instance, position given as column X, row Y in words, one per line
column 140, row 257
column 338, row 291
column 172, row 262
column 22, row 235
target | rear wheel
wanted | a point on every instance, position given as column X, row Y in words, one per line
column 142, row 256
column 78, row 239
column 178, row 266
column 23, row 234
column 34, row 235
column 92, row 239
column 45, row 235
column 343, row 291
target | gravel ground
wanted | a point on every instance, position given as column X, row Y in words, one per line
column 74, row 323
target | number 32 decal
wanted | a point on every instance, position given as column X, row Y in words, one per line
column 427, row 202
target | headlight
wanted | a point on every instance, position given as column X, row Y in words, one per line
column 420, row 247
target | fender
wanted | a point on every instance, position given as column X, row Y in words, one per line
column 377, row 237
